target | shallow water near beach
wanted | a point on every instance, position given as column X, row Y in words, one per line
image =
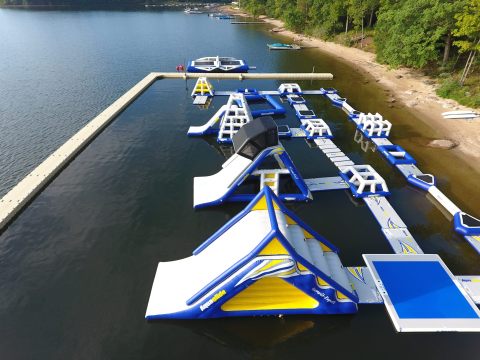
column 76, row 267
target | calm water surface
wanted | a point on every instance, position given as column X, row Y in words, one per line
column 76, row 267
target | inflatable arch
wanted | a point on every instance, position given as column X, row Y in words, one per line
column 258, row 155
column 264, row 261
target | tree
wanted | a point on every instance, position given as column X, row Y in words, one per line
column 357, row 9
column 410, row 32
column 468, row 29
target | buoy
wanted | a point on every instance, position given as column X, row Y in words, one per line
column 180, row 68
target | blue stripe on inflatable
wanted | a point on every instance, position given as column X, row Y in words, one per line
column 463, row 228
column 386, row 149
column 422, row 184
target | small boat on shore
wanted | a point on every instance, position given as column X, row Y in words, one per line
column 460, row 114
column 280, row 46
column 216, row 15
column 192, row 11
column 218, row 64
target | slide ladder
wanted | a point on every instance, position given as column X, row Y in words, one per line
column 270, row 178
column 202, row 88
column 236, row 115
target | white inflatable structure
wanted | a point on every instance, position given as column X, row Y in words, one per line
column 236, row 115
column 203, row 88
column 256, row 143
column 265, row 261
column 315, row 128
column 373, row 125
column 230, row 117
column 289, row 88
column 364, row 180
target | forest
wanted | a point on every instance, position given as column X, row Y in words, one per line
column 441, row 37
column 92, row 3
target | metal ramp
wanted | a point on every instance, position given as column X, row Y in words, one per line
column 421, row 294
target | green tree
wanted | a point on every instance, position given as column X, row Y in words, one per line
column 410, row 32
column 468, row 31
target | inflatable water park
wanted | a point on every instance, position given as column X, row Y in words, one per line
column 266, row 261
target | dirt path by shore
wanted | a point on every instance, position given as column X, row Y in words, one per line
column 407, row 86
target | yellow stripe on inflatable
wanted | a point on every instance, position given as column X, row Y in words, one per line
column 290, row 221
column 262, row 205
column 325, row 247
column 307, row 234
column 340, row 296
column 270, row 293
column 321, row 282
column 274, row 247
column 301, row 267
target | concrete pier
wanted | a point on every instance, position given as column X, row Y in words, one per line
column 19, row 196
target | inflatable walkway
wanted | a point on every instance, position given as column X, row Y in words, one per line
column 259, row 156
column 265, row 261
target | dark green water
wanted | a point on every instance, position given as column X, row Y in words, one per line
column 76, row 267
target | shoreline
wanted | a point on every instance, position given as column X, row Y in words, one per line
column 408, row 87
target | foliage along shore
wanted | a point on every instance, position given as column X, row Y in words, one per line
column 439, row 37
column 96, row 3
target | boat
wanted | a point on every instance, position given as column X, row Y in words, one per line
column 226, row 17
column 460, row 114
column 192, row 11
column 280, row 46
column 218, row 64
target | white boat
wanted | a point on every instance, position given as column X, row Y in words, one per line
column 218, row 64
column 192, row 11
column 460, row 114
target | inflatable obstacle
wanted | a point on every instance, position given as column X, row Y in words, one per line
column 364, row 181
column 264, row 261
column 396, row 155
column 303, row 112
column 373, row 125
column 253, row 95
column 316, row 128
column 289, row 89
column 259, row 157
column 332, row 95
column 464, row 224
column 295, row 99
column 421, row 294
column 203, row 88
column 227, row 120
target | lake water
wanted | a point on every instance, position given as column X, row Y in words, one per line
column 77, row 266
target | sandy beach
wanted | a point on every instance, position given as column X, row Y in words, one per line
column 406, row 86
